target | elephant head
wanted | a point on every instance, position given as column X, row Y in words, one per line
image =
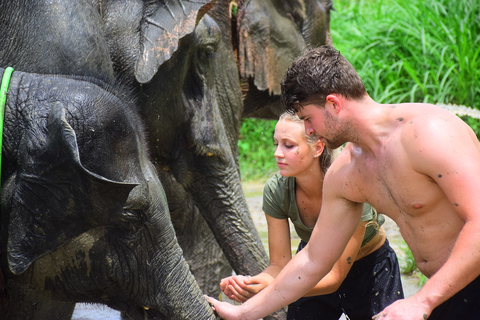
column 192, row 113
column 84, row 216
column 271, row 34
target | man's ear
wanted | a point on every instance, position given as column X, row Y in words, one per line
column 334, row 101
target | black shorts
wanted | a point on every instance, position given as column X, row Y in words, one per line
column 372, row 284
column 465, row 305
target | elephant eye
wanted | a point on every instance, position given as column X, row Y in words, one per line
column 204, row 56
column 131, row 221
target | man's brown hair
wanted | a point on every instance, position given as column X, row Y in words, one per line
column 317, row 73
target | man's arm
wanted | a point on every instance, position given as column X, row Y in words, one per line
column 335, row 226
column 334, row 279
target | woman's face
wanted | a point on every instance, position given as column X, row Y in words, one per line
column 293, row 154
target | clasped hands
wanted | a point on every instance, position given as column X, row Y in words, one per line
column 241, row 288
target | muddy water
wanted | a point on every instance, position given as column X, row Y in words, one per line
column 253, row 193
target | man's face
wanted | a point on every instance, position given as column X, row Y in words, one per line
column 313, row 117
column 320, row 122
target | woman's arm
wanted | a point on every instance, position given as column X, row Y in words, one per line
column 242, row 288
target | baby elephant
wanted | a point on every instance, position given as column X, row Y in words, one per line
column 84, row 217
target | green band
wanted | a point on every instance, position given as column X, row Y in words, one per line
column 7, row 74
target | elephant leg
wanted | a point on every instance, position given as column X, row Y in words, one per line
column 200, row 248
column 28, row 304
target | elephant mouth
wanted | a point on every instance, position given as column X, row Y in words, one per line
column 141, row 313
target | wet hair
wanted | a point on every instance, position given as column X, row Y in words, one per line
column 326, row 157
column 318, row 72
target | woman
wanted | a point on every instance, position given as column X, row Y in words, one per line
column 363, row 281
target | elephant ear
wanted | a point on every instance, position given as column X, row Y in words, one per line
column 52, row 197
column 163, row 25
column 269, row 40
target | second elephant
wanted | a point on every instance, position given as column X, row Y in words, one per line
column 194, row 93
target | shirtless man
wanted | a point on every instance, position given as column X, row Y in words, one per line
column 416, row 163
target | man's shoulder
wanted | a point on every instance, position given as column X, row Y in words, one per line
column 344, row 173
column 427, row 122
column 342, row 165
column 418, row 113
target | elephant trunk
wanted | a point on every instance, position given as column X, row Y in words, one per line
column 200, row 248
column 228, row 217
column 171, row 287
column 178, row 295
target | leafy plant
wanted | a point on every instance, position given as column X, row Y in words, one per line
column 412, row 50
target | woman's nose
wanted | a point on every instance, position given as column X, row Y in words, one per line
column 277, row 153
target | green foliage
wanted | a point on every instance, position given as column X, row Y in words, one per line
column 413, row 50
column 256, row 149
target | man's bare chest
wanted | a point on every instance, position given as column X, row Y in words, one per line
column 393, row 187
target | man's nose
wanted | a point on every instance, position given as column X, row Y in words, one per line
column 309, row 130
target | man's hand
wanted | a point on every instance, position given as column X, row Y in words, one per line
column 224, row 310
column 405, row 309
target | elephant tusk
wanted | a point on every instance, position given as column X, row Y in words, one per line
column 233, row 9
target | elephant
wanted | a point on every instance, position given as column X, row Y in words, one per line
column 84, row 216
column 193, row 94
column 192, row 132
column 82, row 206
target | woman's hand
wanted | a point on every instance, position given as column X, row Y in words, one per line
column 242, row 288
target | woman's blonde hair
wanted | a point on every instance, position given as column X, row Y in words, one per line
column 326, row 157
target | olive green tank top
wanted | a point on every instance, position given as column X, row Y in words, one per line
column 279, row 202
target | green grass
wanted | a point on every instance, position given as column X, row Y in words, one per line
column 413, row 50
column 405, row 51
